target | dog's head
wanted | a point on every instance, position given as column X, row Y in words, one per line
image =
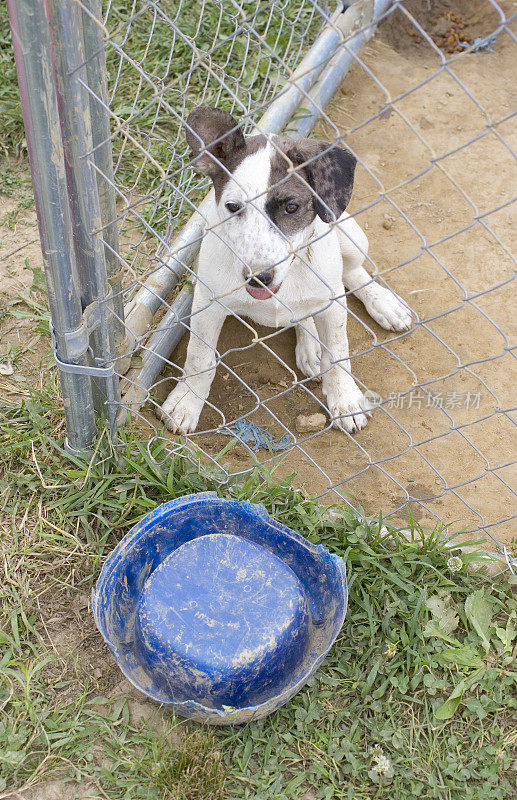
column 268, row 192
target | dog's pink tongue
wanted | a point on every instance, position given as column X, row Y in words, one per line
column 260, row 293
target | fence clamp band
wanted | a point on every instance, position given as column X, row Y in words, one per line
column 78, row 340
column 78, row 369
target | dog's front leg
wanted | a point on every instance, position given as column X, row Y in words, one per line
column 381, row 303
column 308, row 349
column 184, row 404
column 346, row 403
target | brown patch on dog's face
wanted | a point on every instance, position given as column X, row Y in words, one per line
column 217, row 144
column 329, row 171
column 289, row 201
column 322, row 183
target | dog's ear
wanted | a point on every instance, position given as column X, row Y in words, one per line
column 329, row 170
column 212, row 135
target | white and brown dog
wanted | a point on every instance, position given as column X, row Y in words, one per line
column 277, row 250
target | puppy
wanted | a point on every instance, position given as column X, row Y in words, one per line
column 277, row 250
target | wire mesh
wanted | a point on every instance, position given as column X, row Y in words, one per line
column 434, row 154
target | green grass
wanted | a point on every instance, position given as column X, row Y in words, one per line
column 12, row 133
column 421, row 673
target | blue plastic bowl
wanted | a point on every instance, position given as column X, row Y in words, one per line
column 213, row 608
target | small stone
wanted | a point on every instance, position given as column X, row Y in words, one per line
column 6, row 369
column 97, row 673
column 308, row 423
column 387, row 224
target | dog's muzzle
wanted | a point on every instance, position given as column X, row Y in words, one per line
column 260, row 286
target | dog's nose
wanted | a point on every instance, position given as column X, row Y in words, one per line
column 264, row 279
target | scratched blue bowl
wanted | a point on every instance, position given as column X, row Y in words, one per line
column 213, row 608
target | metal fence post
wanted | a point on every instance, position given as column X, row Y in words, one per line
column 66, row 33
column 94, row 48
column 42, row 125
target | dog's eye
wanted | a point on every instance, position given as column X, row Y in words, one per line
column 233, row 207
column 291, row 207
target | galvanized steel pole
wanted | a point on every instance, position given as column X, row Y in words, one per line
column 94, row 50
column 32, row 49
column 66, row 34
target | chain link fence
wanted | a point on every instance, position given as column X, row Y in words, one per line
column 419, row 94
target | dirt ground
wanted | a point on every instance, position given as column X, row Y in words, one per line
column 432, row 192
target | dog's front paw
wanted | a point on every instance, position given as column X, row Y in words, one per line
column 387, row 309
column 349, row 412
column 181, row 410
column 308, row 356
